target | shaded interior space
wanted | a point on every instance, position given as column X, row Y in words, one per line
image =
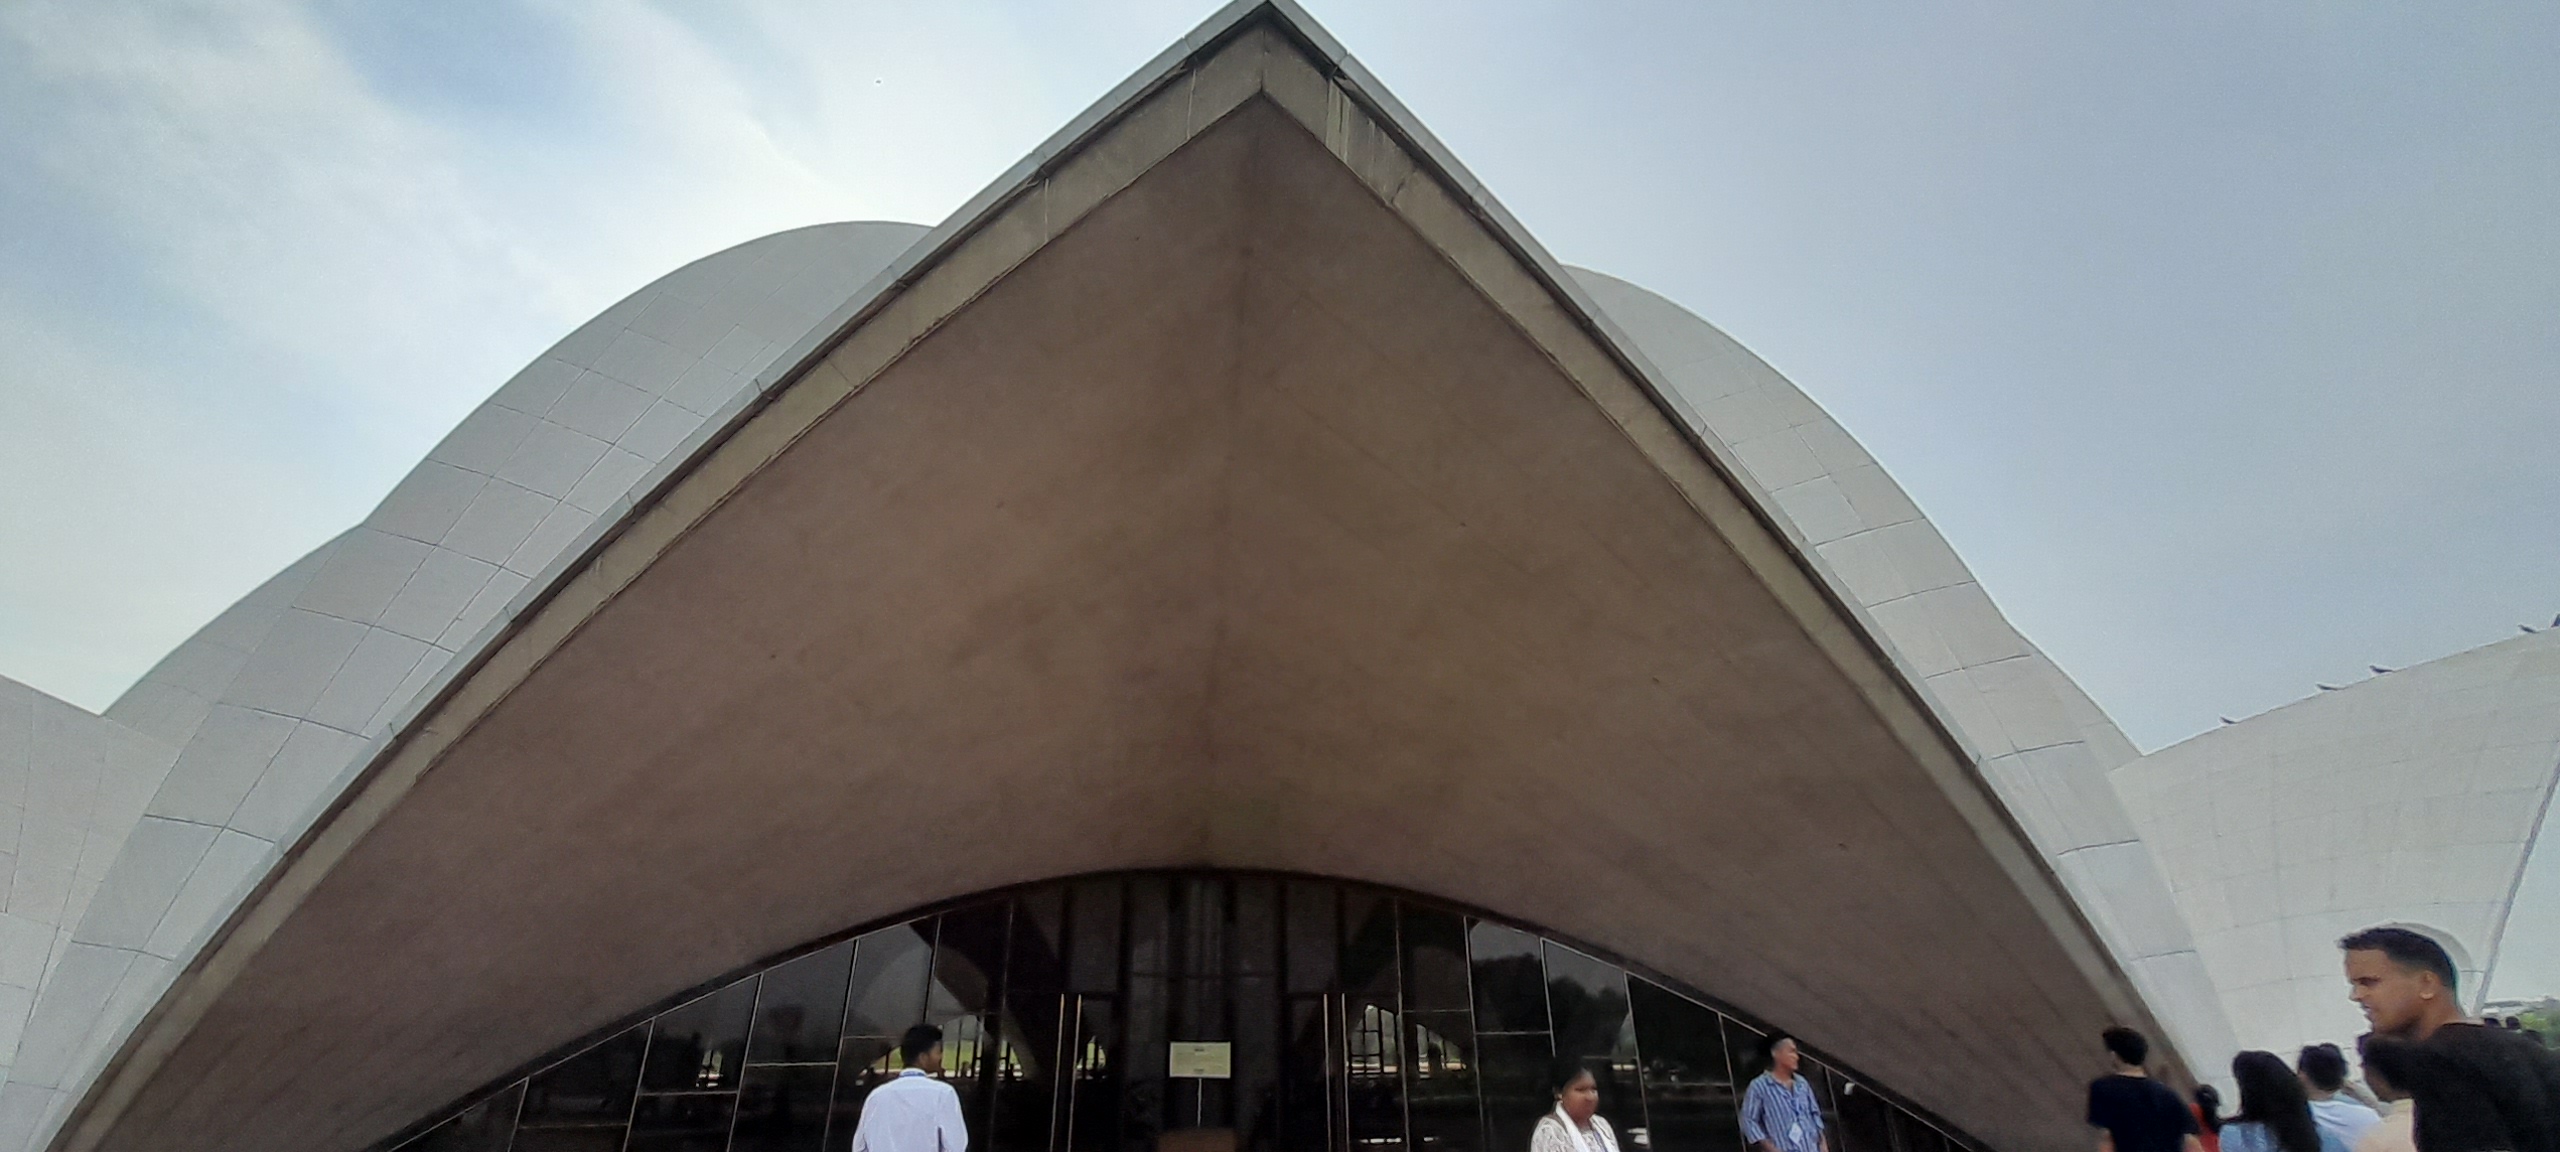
column 1344, row 1017
column 1234, row 529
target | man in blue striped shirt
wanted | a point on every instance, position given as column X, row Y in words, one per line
column 1779, row 1111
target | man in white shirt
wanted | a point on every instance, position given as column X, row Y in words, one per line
column 2323, row 1069
column 913, row 1112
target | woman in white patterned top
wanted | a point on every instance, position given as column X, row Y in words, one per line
column 1575, row 1125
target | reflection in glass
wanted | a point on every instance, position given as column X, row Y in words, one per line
column 1031, row 1022
column 685, row 1122
column 1093, row 933
column 784, row 1109
column 1510, row 979
column 485, row 1127
column 1307, row 1069
column 1369, row 948
column 1257, row 926
column 975, row 1058
column 1037, row 957
column 1093, row 1088
column 1911, row 1134
column 1358, row 1021
column 1435, row 959
column 800, row 1009
column 1147, row 915
column 1024, row 1082
column 1825, row 1093
column 1513, row 1074
column 862, row 1063
column 1255, row 1091
column 1588, row 1000
column 571, row 1139
column 1742, row 1047
column 592, row 1087
column 1866, row 1119
column 1143, row 1056
column 890, row 968
column 1200, row 928
column 1311, row 918
column 1373, row 1074
column 1440, row 1079
column 966, row 959
column 700, row 1045
column 1691, row 1102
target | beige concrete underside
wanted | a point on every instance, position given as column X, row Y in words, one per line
column 1234, row 528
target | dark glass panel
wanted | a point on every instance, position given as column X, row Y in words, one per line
column 862, row 1064
column 1256, row 1089
column 1512, row 1072
column 1866, row 1119
column 1093, row 1088
column 1257, row 926
column 1148, row 952
column 967, row 958
column 1306, row 1100
column 588, row 1139
column 1094, row 935
column 1588, row 1001
column 1036, row 959
column 1911, row 1134
column 1742, row 1050
column 1026, row 1080
column 1369, row 948
column 1691, row 1101
column 1826, row 1094
column 684, row 1122
column 800, row 1009
column 1373, row 1081
column 1510, row 979
column 1435, row 960
column 1200, row 928
column 890, row 969
column 973, row 1059
column 1440, row 1082
column 592, row 1087
column 784, row 1109
column 700, row 1046
column 483, row 1127
column 1143, row 1055
column 1314, row 936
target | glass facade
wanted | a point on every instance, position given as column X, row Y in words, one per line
column 1350, row 1019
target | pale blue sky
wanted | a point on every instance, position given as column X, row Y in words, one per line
column 2218, row 338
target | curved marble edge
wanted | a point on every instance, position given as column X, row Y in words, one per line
column 2412, row 798
column 280, row 699
column 2040, row 741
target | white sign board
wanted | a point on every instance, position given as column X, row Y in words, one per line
column 1206, row 1061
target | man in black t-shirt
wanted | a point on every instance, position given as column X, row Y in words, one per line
column 2476, row 1089
column 2135, row 1112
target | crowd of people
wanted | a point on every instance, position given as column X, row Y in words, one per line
column 2434, row 1081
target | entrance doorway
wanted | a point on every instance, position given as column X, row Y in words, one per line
column 1171, row 1012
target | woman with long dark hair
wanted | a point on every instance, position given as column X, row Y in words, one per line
column 2275, row 1113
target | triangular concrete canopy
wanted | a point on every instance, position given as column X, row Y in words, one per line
column 1232, row 486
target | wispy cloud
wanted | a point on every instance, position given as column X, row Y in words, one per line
column 265, row 252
